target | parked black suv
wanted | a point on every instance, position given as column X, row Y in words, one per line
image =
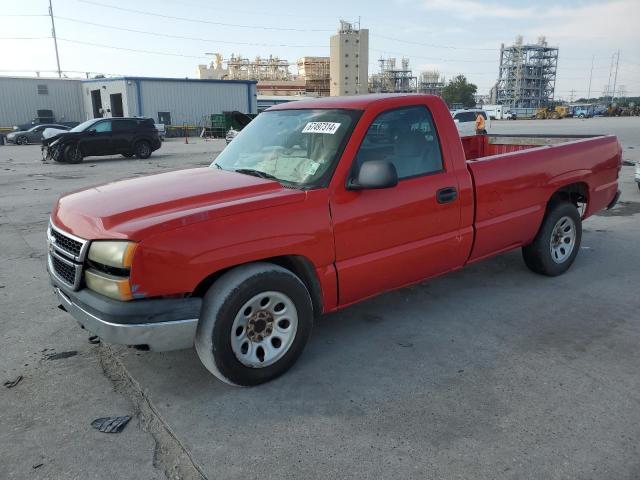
column 104, row 136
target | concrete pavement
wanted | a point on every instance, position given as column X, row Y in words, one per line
column 491, row 372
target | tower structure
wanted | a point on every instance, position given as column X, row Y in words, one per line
column 527, row 74
column 349, row 60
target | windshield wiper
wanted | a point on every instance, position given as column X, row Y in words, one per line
column 256, row 173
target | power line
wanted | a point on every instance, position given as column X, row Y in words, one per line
column 251, row 12
column 197, row 20
column 451, row 47
column 152, row 52
column 180, row 37
column 446, row 60
column 23, row 15
column 25, row 38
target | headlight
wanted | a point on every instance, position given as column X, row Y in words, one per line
column 117, row 254
column 110, row 286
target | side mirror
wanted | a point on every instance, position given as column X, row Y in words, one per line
column 456, row 121
column 374, row 174
column 92, row 132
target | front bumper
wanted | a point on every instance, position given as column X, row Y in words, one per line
column 160, row 324
column 614, row 200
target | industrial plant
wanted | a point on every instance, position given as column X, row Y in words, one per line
column 527, row 74
column 525, row 84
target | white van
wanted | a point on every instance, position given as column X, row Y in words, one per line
column 495, row 112
column 465, row 120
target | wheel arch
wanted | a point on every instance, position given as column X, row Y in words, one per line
column 576, row 193
column 299, row 265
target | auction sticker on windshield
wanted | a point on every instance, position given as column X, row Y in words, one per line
column 321, row 127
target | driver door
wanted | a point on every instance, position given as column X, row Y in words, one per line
column 98, row 139
column 391, row 237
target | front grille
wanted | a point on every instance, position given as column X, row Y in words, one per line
column 66, row 256
column 64, row 271
column 66, row 244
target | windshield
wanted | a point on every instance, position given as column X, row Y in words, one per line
column 298, row 147
column 84, row 125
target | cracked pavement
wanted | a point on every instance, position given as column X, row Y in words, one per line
column 490, row 372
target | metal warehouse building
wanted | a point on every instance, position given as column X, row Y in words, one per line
column 172, row 101
column 21, row 98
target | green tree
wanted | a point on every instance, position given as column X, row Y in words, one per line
column 458, row 90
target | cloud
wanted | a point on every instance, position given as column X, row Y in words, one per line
column 611, row 24
column 471, row 9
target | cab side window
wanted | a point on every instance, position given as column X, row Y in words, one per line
column 405, row 137
column 104, row 126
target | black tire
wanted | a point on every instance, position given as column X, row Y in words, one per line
column 225, row 301
column 127, row 155
column 142, row 149
column 72, row 154
column 22, row 140
column 56, row 153
column 539, row 255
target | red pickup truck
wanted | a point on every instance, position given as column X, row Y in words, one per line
column 314, row 206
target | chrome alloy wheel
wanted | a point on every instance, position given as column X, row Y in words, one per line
column 563, row 239
column 264, row 329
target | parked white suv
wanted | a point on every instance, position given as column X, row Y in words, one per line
column 465, row 120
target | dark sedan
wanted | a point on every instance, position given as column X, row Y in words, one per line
column 34, row 134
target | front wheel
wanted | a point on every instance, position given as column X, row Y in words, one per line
column 22, row 140
column 557, row 243
column 142, row 149
column 255, row 322
column 72, row 154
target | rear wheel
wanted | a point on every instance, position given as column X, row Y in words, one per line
column 557, row 243
column 142, row 149
column 72, row 154
column 255, row 322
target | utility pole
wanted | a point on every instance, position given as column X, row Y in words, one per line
column 55, row 40
column 590, row 77
column 609, row 82
column 615, row 78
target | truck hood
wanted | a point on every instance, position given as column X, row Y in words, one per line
column 139, row 207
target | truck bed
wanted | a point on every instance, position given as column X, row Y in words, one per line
column 480, row 146
column 515, row 176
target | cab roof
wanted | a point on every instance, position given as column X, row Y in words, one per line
column 354, row 102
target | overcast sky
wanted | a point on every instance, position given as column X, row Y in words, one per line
column 462, row 36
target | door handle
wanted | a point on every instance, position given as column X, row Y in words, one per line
column 446, row 195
